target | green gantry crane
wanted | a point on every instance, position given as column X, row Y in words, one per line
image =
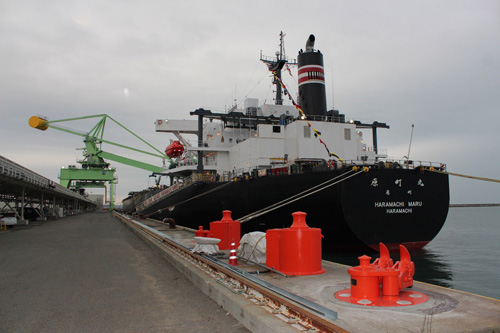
column 95, row 171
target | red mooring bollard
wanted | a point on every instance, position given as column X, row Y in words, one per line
column 273, row 248
column 381, row 283
column 225, row 230
column 233, row 258
column 295, row 250
column 202, row 233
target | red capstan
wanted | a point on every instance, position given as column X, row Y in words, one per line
column 381, row 283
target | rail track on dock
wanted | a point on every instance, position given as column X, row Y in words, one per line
column 294, row 310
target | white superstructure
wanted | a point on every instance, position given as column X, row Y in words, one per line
column 265, row 137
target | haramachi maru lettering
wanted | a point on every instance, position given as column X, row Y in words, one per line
column 398, row 207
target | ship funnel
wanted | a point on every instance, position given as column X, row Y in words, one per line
column 310, row 43
column 312, row 93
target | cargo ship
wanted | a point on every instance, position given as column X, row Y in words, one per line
column 264, row 162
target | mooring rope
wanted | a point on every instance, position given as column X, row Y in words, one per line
column 292, row 197
column 297, row 197
column 274, row 206
column 466, row 176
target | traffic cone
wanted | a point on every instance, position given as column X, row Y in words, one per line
column 233, row 259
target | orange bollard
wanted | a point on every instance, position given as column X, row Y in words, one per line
column 200, row 232
column 390, row 282
column 300, row 248
column 273, row 248
column 365, row 283
column 226, row 229
column 295, row 250
column 381, row 283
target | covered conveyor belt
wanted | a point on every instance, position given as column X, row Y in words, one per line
column 31, row 196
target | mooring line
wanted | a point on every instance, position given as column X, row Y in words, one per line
column 295, row 197
column 467, row 176
column 272, row 207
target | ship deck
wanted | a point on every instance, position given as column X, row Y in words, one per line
column 446, row 310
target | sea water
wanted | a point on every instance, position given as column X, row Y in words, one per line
column 465, row 255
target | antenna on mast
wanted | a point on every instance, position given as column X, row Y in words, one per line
column 276, row 64
column 411, row 137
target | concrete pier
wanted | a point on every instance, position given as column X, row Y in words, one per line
column 93, row 273
column 90, row 273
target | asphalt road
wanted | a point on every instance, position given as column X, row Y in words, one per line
column 89, row 273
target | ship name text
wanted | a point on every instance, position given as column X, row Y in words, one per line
column 398, row 207
column 158, row 196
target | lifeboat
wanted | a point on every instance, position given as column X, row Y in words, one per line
column 175, row 149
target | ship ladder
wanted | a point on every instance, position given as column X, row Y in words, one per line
column 320, row 187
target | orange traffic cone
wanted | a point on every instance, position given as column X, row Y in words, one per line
column 233, row 259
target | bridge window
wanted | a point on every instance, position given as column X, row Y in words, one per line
column 347, row 134
column 307, row 132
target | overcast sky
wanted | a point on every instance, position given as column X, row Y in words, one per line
column 435, row 64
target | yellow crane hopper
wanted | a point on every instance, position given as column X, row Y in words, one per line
column 37, row 122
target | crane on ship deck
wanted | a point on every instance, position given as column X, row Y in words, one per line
column 95, row 171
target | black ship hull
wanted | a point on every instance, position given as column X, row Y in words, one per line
column 392, row 206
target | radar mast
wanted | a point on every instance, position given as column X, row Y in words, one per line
column 276, row 64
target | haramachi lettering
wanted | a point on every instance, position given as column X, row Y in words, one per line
column 383, row 204
column 398, row 211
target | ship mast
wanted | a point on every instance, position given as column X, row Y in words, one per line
column 276, row 64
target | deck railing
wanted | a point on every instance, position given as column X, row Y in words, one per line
column 292, row 168
column 289, row 168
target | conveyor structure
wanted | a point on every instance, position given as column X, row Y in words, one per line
column 31, row 196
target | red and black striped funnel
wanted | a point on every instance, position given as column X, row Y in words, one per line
column 312, row 92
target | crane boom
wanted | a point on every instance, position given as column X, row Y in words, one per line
column 131, row 162
column 96, row 133
column 95, row 168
